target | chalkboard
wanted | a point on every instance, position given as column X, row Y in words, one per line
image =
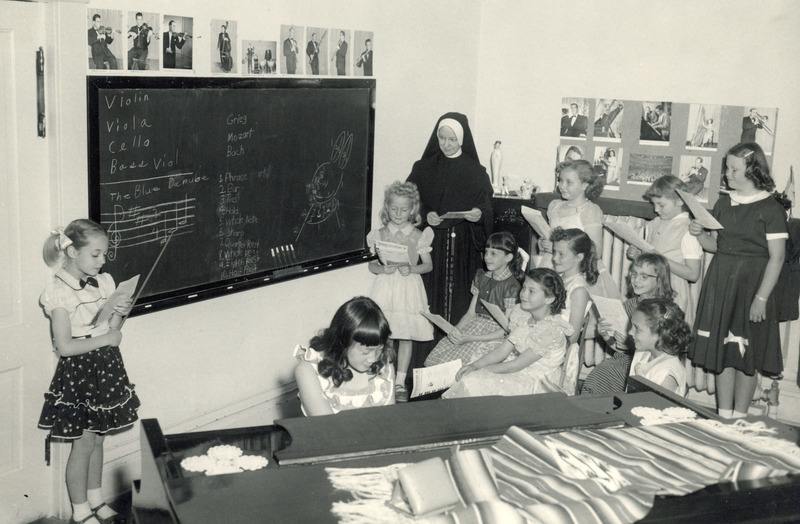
column 233, row 183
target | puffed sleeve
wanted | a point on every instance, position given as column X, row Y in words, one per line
column 519, row 336
column 305, row 354
column 775, row 221
column 425, row 241
column 106, row 284
column 517, row 317
column 58, row 296
column 551, row 210
column 476, row 282
column 372, row 237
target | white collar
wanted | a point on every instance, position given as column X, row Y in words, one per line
column 68, row 279
column 406, row 229
column 682, row 214
column 454, row 155
column 736, row 198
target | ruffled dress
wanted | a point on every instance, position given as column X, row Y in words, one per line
column 91, row 391
column 547, row 338
column 401, row 298
column 379, row 391
column 503, row 293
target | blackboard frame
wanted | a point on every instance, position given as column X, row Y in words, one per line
column 150, row 303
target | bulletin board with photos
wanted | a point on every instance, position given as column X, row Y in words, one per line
column 634, row 142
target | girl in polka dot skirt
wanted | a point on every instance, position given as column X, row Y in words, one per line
column 90, row 394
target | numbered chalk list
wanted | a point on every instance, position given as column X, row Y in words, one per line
column 239, row 182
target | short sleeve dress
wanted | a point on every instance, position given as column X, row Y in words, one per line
column 724, row 336
column 379, row 391
column 401, row 298
column 503, row 293
column 547, row 338
column 90, row 391
column 659, row 369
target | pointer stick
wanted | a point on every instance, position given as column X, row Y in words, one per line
column 149, row 274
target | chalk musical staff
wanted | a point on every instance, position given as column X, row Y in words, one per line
column 138, row 225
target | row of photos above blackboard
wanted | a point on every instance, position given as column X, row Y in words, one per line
column 146, row 41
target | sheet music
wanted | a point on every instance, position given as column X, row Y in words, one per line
column 391, row 253
column 497, row 313
column 629, row 235
column 612, row 311
column 537, row 221
column 435, row 378
column 125, row 290
column 699, row 212
column 454, row 214
column 438, row 321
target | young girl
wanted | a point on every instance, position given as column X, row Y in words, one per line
column 398, row 290
column 575, row 261
column 500, row 285
column 539, row 344
column 90, row 394
column 660, row 336
column 579, row 187
column 347, row 365
column 669, row 234
column 736, row 328
column 648, row 278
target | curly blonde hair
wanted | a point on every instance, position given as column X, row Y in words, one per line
column 402, row 189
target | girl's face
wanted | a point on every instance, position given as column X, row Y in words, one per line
column 643, row 338
column 496, row 259
column 570, row 185
column 735, row 173
column 361, row 357
column 532, row 296
column 400, row 209
column 89, row 259
column 666, row 208
column 448, row 141
column 644, row 280
column 565, row 261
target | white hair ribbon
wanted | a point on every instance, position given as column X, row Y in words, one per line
column 63, row 241
column 525, row 257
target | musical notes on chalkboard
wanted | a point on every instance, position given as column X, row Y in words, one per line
column 137, row 225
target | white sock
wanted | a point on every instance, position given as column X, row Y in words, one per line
column 401, row 378
column 81, row 511
column 96, row 499
column 739, row 414
column 725, row 413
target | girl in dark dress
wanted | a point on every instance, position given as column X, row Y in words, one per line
column 450, row 178
column 736, row 328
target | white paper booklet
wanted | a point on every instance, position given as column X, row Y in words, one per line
column 438, row 321
column 537, row 221
column 435, row 378
column 392, row 254
column 698, row 211
column 497, row 313
column 629, row 235
column 612, row 311
column 124, row 291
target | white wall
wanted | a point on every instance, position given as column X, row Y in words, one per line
column 733, row 52
column 196, row 360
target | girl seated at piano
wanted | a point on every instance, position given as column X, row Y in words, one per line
column 534, row 350
column 347, row 365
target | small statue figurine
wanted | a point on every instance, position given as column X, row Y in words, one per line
column 496, row 163
column 527, row 189
column 504, row 186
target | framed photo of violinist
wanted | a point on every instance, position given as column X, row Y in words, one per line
column 143, row 35
column 105, row 35
column 176, row 42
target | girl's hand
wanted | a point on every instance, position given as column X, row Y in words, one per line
column 404, row 270
column 633, row 252
column 124, row 307
column 621, row 340
column 389, row 269
column 465, row 370
column 433, row 218
column 473, row 215
column 695, row 228
column 758, row 310
column 457, row 337
column 605, row 329
column 114, row 337
column 545, row 246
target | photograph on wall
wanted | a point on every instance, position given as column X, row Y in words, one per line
column 223, row 54
column 176, row 42
column 607, row 160
column 567, row 152
column 316, row 50
column 364, row 53
column 104, row 30
column 340, row 52
column 608, row 119
column 259, row 57
column 693, row 171
column 703, row 130
column 645, row 169
column 142, row 34
column 758, row 125
column 656, row 123
column 574, row 117
column 291, row 59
